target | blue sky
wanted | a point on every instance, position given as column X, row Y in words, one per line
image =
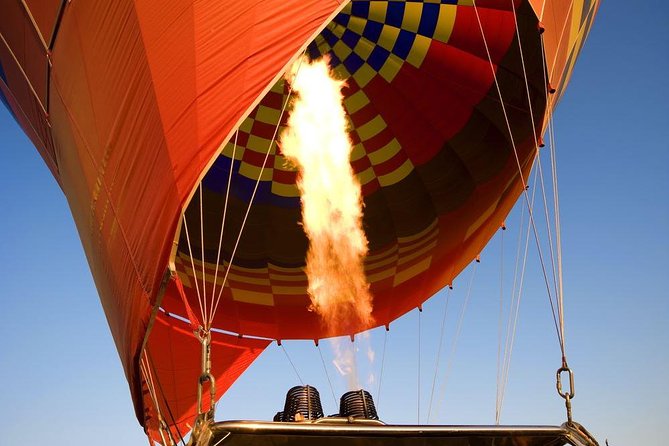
column 61, row 378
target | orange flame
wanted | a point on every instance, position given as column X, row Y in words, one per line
column 316, row 142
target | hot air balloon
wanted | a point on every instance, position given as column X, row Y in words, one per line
column 160, row 121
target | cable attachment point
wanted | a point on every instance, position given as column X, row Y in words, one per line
column 205, row 339
column 567, row 395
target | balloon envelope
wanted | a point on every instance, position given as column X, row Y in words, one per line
column 133, row 104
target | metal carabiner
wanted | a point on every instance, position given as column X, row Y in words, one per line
column 558, row 375
column 212, row 393
column 566, row 395
column 205, row 340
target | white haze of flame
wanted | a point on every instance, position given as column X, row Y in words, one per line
column 316, row 142
column 347, row 363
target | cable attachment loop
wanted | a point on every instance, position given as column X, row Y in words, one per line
column 205, row 339
column 567, row 395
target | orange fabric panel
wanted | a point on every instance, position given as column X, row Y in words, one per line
column 102, row 112
column 137, row 116
column 210, row 60
column 566, row 23
column 45, row 13
column 26, row 110
column 174, row 357
column 22, row 38
column 23, row 68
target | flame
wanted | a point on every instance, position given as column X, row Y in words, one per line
column 316, row 142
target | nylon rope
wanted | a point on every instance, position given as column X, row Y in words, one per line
column 225, row 437
column 255, row 188
column 155, row 404
column 556, row 211
column 26, row 78
column 536, row 144
column 516, row 294
column 558, row 228
column 504, row 365
column 556, row 201
column 456, row 337
column 564, row 27
column 548, row 228
column 220, row 237
column 148, row 378
column 510, row 343
column 383, row 360
column 439, row 348
column 327, row 375
column 498, row 409
column 420, row 311
column 150, row 387
column 299, row 378
column 499, row 324
column 522, row 179
column 204, row 275
column 192, row 264
column 167, row 405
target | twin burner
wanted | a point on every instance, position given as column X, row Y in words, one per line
column 303, row 403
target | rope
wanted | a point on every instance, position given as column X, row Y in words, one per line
column 192, row 264
column 511, row 341
column 255, row 188
column 564, row 27
column 204, row 276
column 454, row 344
column 26, row 78
column 536, row 143
column 167, row 405
column 148, row 378
column 558, row 230
column 220, row 237
column 299, row 378
column 520, row 170
column 513, row 315
column 504, row 366
column 436, row 366
column 499, row 324
column 420, row 311
column 327, row 375
column 383, row 359
column 556, row 211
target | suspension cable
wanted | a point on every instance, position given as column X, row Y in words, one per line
column 383, row 360
column 536, row 144
column 299, row 378
column 436, row 365
column 515, row 304
column 520, row 170
column 162, row 393
column 192, row 264
column 420, row 312
column 255, row 188
column 556, row 211
column 327, row 375
column 225, row 209
column 148, row 379
column 499, row 322
column 456, row 337
column 204, row 275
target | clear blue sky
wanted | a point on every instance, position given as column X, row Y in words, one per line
column 61, row 378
